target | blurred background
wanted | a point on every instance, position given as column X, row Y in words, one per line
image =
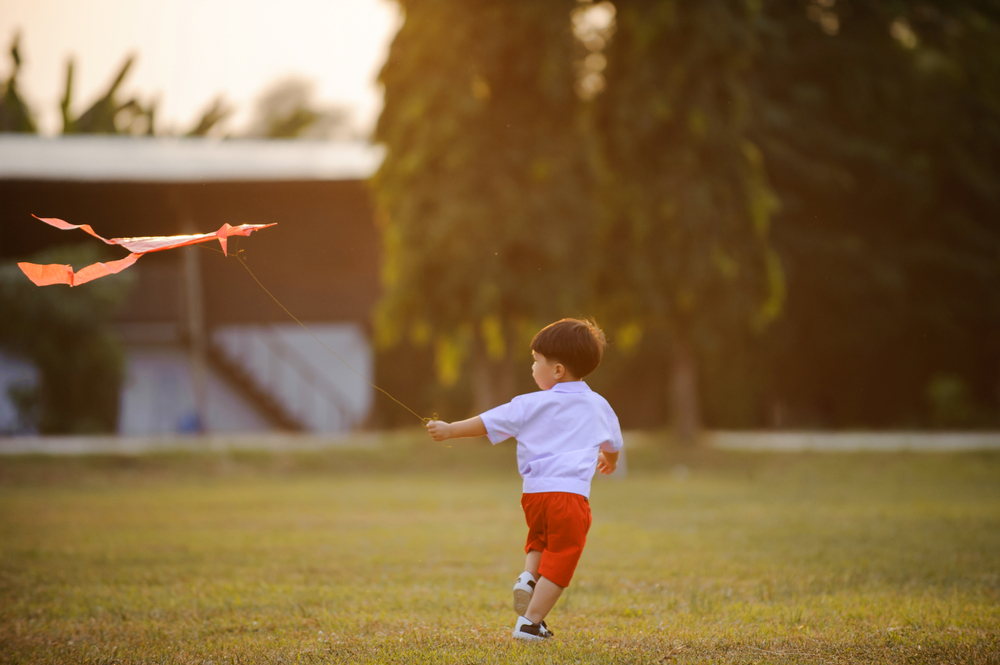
column 784, row 215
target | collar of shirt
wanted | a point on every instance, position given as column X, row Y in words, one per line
column 570, row 387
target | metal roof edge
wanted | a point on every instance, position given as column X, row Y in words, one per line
column 97, row 158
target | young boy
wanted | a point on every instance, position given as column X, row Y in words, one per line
column 563, row 433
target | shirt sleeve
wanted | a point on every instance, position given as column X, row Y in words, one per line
column 503, row 422
column 616, row 443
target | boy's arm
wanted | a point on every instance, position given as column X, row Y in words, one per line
column 607, row 462
column 440, row 430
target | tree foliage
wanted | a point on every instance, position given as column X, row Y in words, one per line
column 108, row 115
column 797, row 200
column 480, row 197
column 211, row 118
column 15, row 115
column 287, row 110
column 688, row 205
column 880, row 124
column 67, row 336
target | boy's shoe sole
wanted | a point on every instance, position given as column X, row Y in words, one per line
column 523, row 588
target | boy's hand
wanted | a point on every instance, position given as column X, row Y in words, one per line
column 605, row 464
column 439, row 430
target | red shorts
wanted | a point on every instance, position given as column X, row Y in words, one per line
column 558, row 523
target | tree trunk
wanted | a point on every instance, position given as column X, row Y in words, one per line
column 685, row 412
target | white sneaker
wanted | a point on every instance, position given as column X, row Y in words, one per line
column 543, row 630
column 523, row 588
column 535, row 632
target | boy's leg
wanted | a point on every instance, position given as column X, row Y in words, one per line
column 568, row 523
column 532, row 562
column 543, row 600
column 524, row 587
column 534, row 516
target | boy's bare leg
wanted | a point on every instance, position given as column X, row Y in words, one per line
column 532, row 562
column 543, row 600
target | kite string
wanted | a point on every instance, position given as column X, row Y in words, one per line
column 419, row 417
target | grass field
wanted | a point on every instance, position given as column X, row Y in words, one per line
column 406, row 552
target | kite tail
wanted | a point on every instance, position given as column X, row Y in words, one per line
column 55, row 273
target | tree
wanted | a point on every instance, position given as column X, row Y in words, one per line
column 15, row 115
column 214, row 115
column 687, row 200
column 68, row 337
column 880, row 123
column 287, row 109
column 107, row 115
column 482, row 195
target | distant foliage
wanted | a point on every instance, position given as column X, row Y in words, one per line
column 15, row 115
column 287, row 110
column 214, row 115
column 108, row 115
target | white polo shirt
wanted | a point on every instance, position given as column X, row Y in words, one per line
column 559, row 433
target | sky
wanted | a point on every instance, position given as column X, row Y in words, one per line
column 188, row 52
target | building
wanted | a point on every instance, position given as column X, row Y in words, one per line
column 208, row 349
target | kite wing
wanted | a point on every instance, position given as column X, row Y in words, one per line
column 54, row 273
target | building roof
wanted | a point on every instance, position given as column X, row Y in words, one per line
column 183, row 160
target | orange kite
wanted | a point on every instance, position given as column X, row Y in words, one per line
column 55, row 273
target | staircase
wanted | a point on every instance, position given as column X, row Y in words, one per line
column 253, row 392
column 280, row 382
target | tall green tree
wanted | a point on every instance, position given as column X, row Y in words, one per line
column 687, row 200
column 482, row 195
column 15, row 115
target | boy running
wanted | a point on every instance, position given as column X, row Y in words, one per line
column 563, row 433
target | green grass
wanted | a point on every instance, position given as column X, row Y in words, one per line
column 405, row 553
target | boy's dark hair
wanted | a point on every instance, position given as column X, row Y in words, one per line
column 577, row 344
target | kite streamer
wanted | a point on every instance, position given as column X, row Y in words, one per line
column 54, row 273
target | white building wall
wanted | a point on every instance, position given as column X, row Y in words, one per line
column 158, row 397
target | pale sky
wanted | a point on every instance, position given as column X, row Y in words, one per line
column 190, row 51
